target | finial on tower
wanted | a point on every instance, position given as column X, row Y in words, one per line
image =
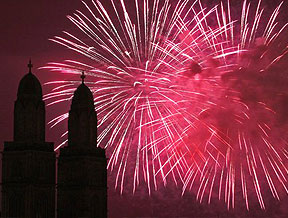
column 30, row 65
column 83, row 77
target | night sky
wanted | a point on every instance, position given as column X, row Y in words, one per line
column 26, row 27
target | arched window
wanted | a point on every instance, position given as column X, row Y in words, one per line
column 16, row 206
column 17, row 170
column 41, row 206
column 96, row 207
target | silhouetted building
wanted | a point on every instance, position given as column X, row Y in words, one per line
column 28, row 164
column 82, row 174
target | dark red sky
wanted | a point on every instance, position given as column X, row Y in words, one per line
column 25, row 28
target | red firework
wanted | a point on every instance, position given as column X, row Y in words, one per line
column 179, row 95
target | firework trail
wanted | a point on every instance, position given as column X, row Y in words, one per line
column 178, row 91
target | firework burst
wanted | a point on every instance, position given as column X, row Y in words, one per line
column 231, row 143
column 178, row 93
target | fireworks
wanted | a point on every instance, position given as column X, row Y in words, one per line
column 183, row 91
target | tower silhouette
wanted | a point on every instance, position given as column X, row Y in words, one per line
column 82, row 175
column 28, row 162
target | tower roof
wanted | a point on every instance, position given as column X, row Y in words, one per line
column 29, row 85
column 83, row 97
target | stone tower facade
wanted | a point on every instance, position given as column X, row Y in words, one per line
column 82, row 174
column 28, row 162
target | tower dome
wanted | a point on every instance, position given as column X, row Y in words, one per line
column 29, row 86
column 82, row 121
column 29, row 110
column 82, row 98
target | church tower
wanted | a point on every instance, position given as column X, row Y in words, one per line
column 28, row 164
column 82, row 174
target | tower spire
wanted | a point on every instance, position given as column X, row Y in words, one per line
column 82, row 142
column 29, row 157
column 30, row 65
column 83, row 77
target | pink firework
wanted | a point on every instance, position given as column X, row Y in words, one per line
column 235, row 143
column 136, row 103
column 178, row 91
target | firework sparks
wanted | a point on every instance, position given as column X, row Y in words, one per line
column 178, row 92
column 231, row 142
